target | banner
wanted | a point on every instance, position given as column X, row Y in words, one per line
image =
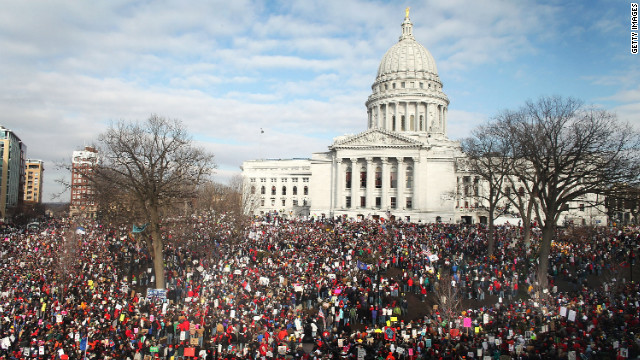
column 138, row 229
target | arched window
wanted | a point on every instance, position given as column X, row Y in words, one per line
column 393, row 178
column 403, row 126
column 378, row 177
column 295, row 190
column 306, row 191
column 363, row 177
column 521, row 191
column 263, row 190
column 421, row 123
column 412, row 126
column 284, row 190
column 273, row 190
column 409, row 177
column 253, row 190
column 347, row 179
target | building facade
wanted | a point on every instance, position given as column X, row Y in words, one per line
column 13, row 153
column 82, row 199
column 402, row 166
column 33, row 183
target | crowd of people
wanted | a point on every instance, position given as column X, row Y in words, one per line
column 316, row 289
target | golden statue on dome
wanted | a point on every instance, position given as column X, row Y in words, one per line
column 406, row 12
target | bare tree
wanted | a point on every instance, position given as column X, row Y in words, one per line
column 522, row 197
column 567, row 150
column 249, row 192
column 155, row 165
column 489, row 157
column 448, row 297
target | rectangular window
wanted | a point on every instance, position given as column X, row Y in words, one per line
column 363, row 201
column 305, row 179
column 347, row 202
column 294, row 180
column 295, row 202
column 274, row 179
column 393, row 202
column 378, row 202
column 284, row 202
column 363, row 179
column 581, row 207
column 409, row 203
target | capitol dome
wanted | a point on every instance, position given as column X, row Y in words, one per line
column 407, row 94
column 407, row 56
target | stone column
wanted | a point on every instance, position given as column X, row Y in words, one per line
column 395, row 116
column 385, row 183
column 341, row 174
column 444, row 120
column 407, row 118
column 423, row 105
column 416, row 186
column 355, row 182
column 383, row 120
column 370, row 182
column 401, row 184
column 428, row 117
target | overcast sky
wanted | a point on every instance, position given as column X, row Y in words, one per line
column 299, row 70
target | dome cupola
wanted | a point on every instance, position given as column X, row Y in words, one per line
column 407, row 55
column 407, row 93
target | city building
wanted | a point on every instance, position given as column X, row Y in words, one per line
column 278, row 185
column 33, row 183
column 403, row 166
column 82, row 201
column 13, row 153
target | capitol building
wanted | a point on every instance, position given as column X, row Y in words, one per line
column 403, row 166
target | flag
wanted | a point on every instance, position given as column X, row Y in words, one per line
column 83, row 344
column 362, row 266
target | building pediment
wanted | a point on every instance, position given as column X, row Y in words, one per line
column 376, row 138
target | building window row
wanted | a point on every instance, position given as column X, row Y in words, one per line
column 274, row 190
column 408, row 204
column 393, row 177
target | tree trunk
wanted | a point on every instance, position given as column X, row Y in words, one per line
column 157, row 255
column 526, row 229
column 491, row 239
column 548, row 232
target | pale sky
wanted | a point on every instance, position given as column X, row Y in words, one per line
column 300, row 70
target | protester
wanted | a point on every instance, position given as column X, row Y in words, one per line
column 344, row 289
